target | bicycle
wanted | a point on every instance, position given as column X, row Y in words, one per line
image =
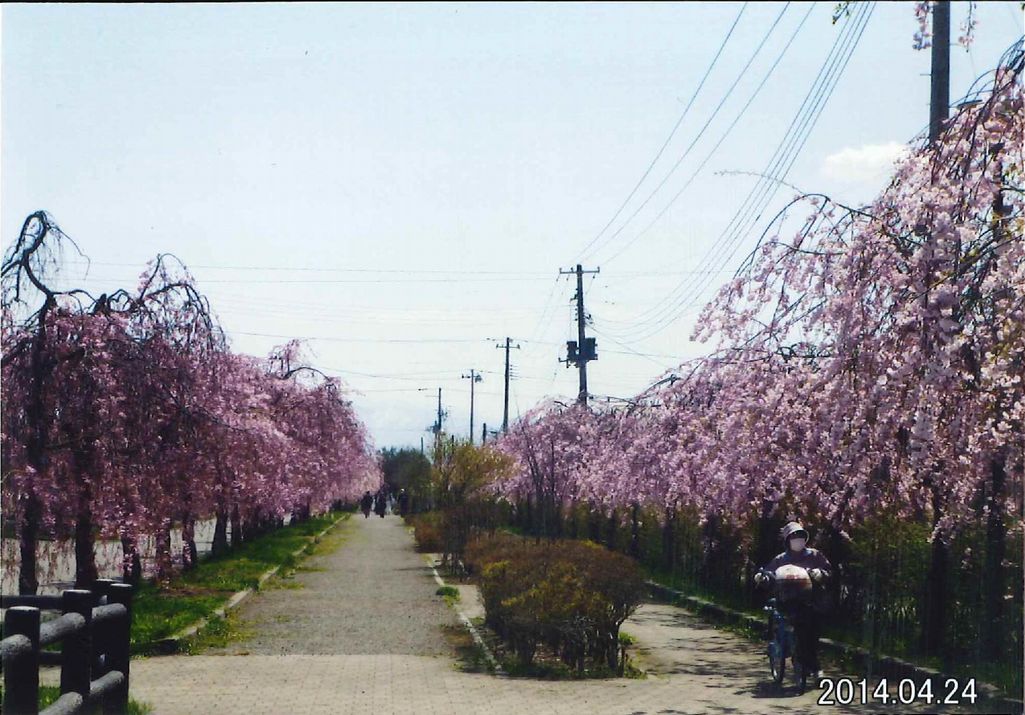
column 782, row 643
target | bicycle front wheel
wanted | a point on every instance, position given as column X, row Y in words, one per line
column 777, row 662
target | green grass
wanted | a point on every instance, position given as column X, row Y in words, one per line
column 450, row 593
column 48, row 695
column 217, row 633
column 159, row 611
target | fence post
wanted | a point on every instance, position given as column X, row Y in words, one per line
column 21, row 675
column 119, row 648
column 100, row 589
column 76, row 671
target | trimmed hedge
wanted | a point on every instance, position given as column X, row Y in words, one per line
column 569, row 597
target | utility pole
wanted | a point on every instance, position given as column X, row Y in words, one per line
column 939, row 104
column 437, row 430
column 473, row 377
column 436, row 427
column 505, row 403
column 936, row 609
column 583, row 349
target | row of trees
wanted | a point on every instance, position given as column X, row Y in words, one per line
column 870, row 361
column 127, row 414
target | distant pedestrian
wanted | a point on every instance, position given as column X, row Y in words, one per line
column 366, row 503
column 403, row 502
column 381, row 503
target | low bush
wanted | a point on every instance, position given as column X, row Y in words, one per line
column 568, row 598
column 427, row 531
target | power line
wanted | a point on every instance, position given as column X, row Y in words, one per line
column 719, row 143
column 313, row 281
column 411, row 271
column 630, row 349
column 701, row 132
column 778, row 171
column 356, row 340
column 672, row 133
column 745, row 208
column 779, row 166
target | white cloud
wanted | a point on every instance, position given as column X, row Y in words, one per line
column 867, row 163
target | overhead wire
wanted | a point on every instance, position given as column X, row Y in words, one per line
column 672, row 133
column 297, row 269
column 777, row 173
column 701, row 132
column 719, row 143
column 657, row 319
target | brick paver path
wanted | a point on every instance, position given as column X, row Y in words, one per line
column 365, row 635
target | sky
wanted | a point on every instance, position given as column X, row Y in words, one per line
column 400, row 185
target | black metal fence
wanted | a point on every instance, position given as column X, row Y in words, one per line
column 93, row 630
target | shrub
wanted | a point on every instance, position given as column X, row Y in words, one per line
column 490, row 549
column 568, row 596
column 427, row 532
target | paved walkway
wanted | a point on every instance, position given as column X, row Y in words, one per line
column 366, row 634
column 366, row 593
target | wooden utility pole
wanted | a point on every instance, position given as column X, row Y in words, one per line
column 939, row 96
column 505, row 403
column 437, row 429
column 935, row 610
column 474, row 377
column 583, row 349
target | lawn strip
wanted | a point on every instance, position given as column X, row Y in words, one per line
column 161, row 612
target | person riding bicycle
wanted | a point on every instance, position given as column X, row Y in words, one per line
column 803, row 603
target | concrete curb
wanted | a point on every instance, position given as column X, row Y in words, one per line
column 884, row 664
column 474, row 633
column 173, row 644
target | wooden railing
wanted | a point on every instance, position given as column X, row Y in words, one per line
column 94, row 631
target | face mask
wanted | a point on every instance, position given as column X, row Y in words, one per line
column 797, row 544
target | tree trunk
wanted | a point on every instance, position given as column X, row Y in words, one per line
column 612, row 655
column 220, row 542
column 610, row 533
column 993, row 578
column 635, row 530
column 28, row 537
column 85, row 553
column 163, row 552
column 190, row 554
column 236, row 527
column 593, row 524
column 669, row 541
column 935, row 617
column 38, row 419
column 132, row 564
